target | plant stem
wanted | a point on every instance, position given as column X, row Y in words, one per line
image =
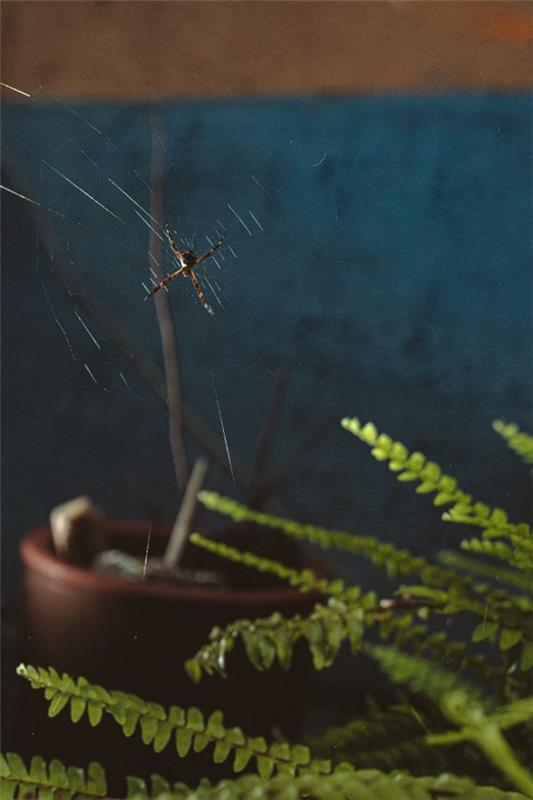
column 164, row 316
column 270, row 429
column 491, row 740
column 182, row 526
column 265, row 491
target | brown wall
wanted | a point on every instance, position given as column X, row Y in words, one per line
column 144, row 50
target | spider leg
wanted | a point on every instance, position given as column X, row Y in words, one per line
column 164, row 282
column 210, row 251
column 200, row 294
column 177, row 253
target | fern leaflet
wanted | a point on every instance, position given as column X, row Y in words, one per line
column 188, row 727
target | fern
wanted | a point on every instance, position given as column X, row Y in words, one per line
column 466, row 708
column 517, row 440
column 419, row 674
column 54, row 781
column 494, row 529
column 368, row 784
column 418, row 638
column 513, row 578
column 188, row 727
column 304, row 579
column 274, row 638
column 510, row 614
column 18, row 782
column 502, row 615
column 44, row 781
column 481, row 713
column 266, row 640
column 160, row 787
column 396, row 562
column 395, row 737
column 408, row 466
column 432, row 480
column 501, row 550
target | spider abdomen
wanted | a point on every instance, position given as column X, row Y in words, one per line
column 189, row 258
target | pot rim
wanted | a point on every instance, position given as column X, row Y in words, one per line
column 38, row 556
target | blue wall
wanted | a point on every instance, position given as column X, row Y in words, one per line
column 392, row 280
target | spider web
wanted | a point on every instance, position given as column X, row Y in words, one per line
column 354, row 260
column 85, row 177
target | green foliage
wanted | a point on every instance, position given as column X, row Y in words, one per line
column 512, row 543
column 432, row 480
column 517, row 440
column 368, row 784
column 502, row 616
column 494, row 572
column 396, row 562
column 519, row 557
column 159, row 787
column 395, row 737
column 501, row 613
column 416, row 637
column 273, row 638
column 304, row 579
column 408, row 466
column 53, row 780
column 266, row 640
column 188, row 728
column 464, row 704
column 419, row 674
column 49, row 781
column 466, row 708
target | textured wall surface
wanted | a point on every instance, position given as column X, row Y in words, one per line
column 156, row 50
column 391, row 280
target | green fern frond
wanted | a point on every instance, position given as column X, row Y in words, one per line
column 395, row 561
column 304, row 579
column 45, row 781
column 495, row 548
column 392, row 738
column 414, row 670
column 494, row 526
column 188, row 727
column 431, row 480
column 417, row 638
column 517, row 440
column 485, row 730
column 160, row 788
column 408, row 466
column 17, row 782
column 513, row 578
column 369, row 784
column 273, row 638
column 502, row 614
column 417, row 673
column 379, row 726
column 465, row 707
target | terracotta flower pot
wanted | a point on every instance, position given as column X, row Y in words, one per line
column 135, row 636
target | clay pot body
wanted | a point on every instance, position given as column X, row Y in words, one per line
column 135, row 637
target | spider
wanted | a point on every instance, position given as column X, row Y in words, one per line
column 188, row 261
